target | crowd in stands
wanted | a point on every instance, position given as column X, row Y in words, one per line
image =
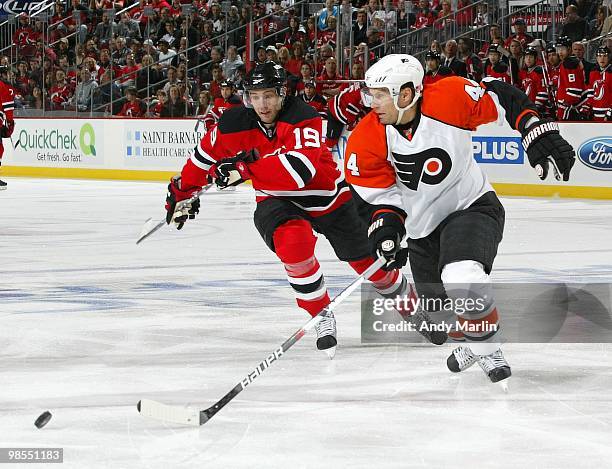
column 187, row 58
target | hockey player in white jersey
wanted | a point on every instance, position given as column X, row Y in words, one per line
column 409, row 163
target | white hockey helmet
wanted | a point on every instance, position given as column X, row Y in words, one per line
column 393, row 72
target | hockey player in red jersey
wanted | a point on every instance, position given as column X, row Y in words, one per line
column 344, row 109
column 228, row 100
column 599, row 102
column 7, row 123
column 314, row 99
column 435, row 72
column 531, row 78
column 571, row 81
column 276, row 143
column 494, row 67
column 411, row 168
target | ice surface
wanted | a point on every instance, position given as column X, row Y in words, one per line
column 90, row 323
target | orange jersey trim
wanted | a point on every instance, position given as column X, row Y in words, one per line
column 365, row 157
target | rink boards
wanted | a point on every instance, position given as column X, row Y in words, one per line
column 155, row 149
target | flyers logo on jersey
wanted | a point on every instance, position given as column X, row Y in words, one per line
column 430, row 167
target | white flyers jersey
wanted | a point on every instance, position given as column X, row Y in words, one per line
column 429, row 173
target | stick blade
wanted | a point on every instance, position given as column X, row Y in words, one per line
column 169, row 413
column 150, row 226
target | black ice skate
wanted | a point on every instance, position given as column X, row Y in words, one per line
column 326, row 334
column 2, row 185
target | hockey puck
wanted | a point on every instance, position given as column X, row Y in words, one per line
column 43, row 419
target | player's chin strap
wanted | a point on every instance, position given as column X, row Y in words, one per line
column 402, row 110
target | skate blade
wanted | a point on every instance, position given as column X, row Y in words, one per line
column 330, row 352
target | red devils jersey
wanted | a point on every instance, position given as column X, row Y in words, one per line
column 600, row 94
column 474, row 67
column 7, row 106
column 532, row 83
column 432, row 77
column 571, row 85
column 219, row 107
column 60, row 94
column 132, row 109
column 499, row 70
column 292, row 164
column 347, row 107
column 318, row 102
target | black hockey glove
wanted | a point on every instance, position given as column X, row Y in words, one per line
column 182, row 203
column 385, row 236
column 545, row 145
column 232, row 171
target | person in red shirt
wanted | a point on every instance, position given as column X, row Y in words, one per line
column 531, row 80
column 495, row 67
column 133, row 106
column 434, row 70
column 495, row 37
column 297, row 59
column 344, row 110
column 313, row 99
column 7, row 106
column 327, row 87
column 424, row 17
column 306, row 74
column 61, row 92
column 156, row 109
column 128, row 72
column 520, row 28
column 228, row 100
column 215, row 83
column 599, row 102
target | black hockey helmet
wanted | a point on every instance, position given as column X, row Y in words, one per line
column 493, row 48
column 551, row 48
column 564, row 41
column 603, row 50
column 433, row 55
column 531, row 51
column 228, row 84
column 264, row 76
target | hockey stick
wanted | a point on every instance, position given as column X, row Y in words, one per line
column 151, row 227
column 195, row 417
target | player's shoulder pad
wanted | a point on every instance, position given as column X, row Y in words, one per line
column 234, row 99
column 237, row 119
column 368, row 130
column 296, row 110
column 572, row 62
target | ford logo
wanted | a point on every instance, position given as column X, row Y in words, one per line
column 597, row 153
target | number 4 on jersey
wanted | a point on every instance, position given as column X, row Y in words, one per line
column 476, row 92
column 351, row 164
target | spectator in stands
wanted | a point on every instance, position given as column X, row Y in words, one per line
column 133, row 107
column 148, row 77
column 170, row 34
column 472, row 62
column 514, row 58
column 451, row 61
column 424, row 15
column 60, row 91
column 128, row 27
column 271, row 54
column 405, row 18
column 371, row 9
column 207, row 43
column 215, row 82
column 357, row 71
column 482, row 17
column 296, row 32
column 260, row 55
column 167, row 56
column 107, row 29
column 172, row 78
column 106, row 64
column 578, row 50
column 574, row 27
column 310, row 33
column 331, row 9
column 329, row 75
column 314, row 99
column 35, row 100
column 231, row 63
column 283, row 57
column 520, row 34
column 22, row 78
column 375, row 42
column 24, row 36
column 216, row 18
column 175, row 107
column 203, row 105
column 108, row 92
column 85, row 90
column 436, row 47
column 446, row 18
column 129, row 71
column 434, row 70
column 297, row 59
column 388, row 15
column 494, row 67
column 360, row 27
column 64, row 50
column 306, row 74
column 596, row 25
column 494, row 38
column 150, row 49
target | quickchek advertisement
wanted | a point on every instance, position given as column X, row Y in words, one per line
column 59, row 143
